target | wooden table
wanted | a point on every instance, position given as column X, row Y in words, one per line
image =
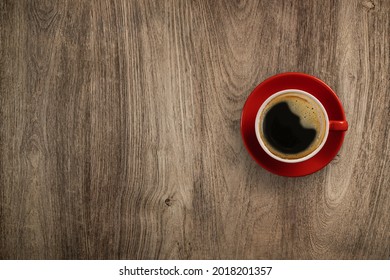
column 120, row 130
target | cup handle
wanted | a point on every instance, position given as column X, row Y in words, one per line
column 338, row 125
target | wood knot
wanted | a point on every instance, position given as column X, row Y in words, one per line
column 336, row 159
column 168, row 202
column 369, row 5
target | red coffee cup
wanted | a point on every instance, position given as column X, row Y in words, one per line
column 319, row 92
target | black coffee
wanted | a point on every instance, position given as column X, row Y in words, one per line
column 283, row 130
column 292, row 125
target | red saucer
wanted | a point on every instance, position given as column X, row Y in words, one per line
column 280, row 82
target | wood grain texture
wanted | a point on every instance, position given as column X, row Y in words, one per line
column 120, row 130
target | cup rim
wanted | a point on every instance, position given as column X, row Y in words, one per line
column 257, row 126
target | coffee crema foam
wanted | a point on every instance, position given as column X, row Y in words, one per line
column 311, row 117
